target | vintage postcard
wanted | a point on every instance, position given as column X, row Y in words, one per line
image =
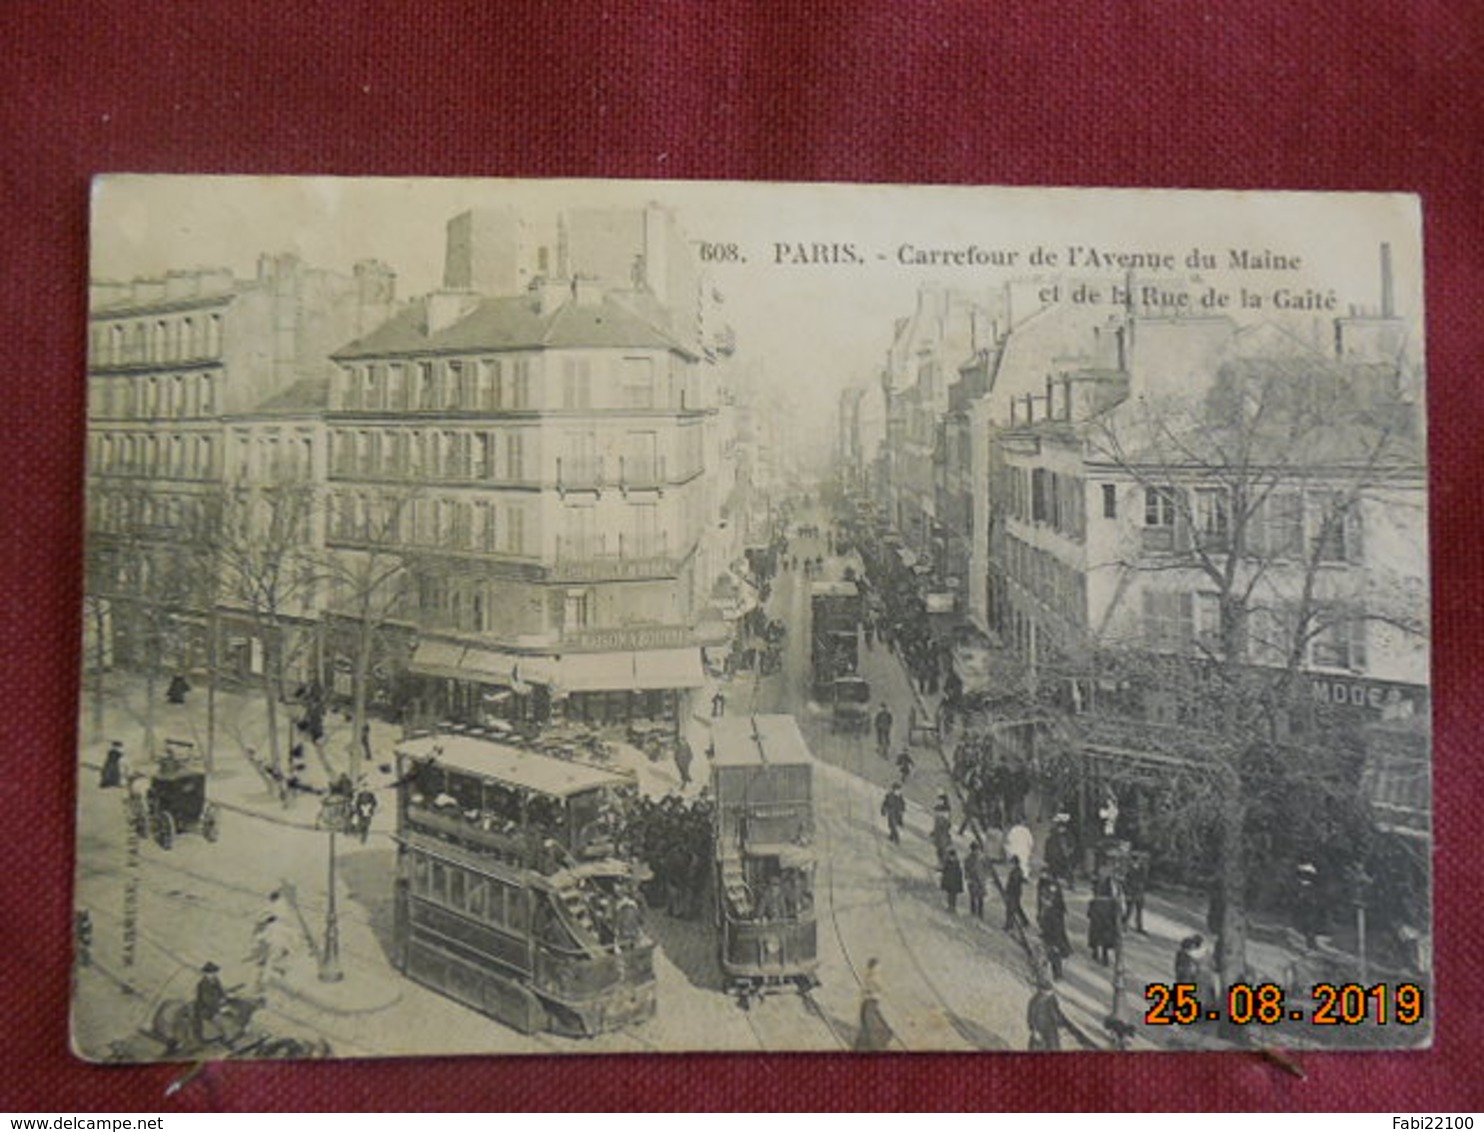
column 595, row 616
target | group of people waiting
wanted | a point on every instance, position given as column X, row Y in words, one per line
column 672, row 839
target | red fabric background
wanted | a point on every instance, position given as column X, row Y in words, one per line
column 1290, row 95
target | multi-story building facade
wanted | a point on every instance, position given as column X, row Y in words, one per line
column 1288, row 554
column 172, row 363
column 945, row 329
column 536, row 461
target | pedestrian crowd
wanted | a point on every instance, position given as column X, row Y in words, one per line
column 671, row 838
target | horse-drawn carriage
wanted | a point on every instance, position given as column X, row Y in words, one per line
column 174, row 801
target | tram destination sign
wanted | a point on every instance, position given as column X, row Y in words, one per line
column 522, row 719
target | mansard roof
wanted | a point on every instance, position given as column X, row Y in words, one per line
column 514, row 322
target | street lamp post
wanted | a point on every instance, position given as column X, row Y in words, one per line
column 334, row 817
column 329, row 960
column 1360, row 883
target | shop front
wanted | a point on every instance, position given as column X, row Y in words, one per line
column 605, row 688
column 467, row 684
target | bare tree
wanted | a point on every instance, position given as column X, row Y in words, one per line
column 148, row 584
column 270, row 569
column 369, row 568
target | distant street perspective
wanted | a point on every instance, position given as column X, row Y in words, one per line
column 522, row 667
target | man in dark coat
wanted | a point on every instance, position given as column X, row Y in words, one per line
column 953, row 878
column 113, row 766
column 883, row 730
column 1135, row 884
column 1059, row 855
column 1051, row 918
column 211, row 996
column 1103, row 920
column 1043, row 1017
column 976, row 871
column 1014, row 888
column 894, row 809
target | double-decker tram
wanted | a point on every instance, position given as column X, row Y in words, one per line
column 762, row 775
column 512, row 893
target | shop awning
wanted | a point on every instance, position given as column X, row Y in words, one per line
column 438, row 658
column 488, row 666
column 668, row 668
column 652, row 670
column 596, row 672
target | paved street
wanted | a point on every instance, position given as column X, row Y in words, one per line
column 948, row 981
column 940, row 989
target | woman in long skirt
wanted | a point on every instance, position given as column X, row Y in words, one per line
column 875, row 1032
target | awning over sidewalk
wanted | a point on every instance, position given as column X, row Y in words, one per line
column 447, row 660
column 438, row 658
column 595, row 671
column 669, row 668
column 488, row 666
column 651, row 670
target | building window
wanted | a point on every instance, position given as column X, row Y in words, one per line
column 1336, row 528
column 489, row 384
column 577, row 384
column 396, row 386
column 641, row 459
column 1277, row 530
column 1213, row 519
column 515, row 457
column 578, row 611
column 1208, row 622
column 1160, row 518
column 453, row 385
column 484, row 456
column 1341, row 644
column 1169, row 620
column 1110, row 501
column 515, row 531
column 484, row 516
column 636, row 383
column 647, row 537
column 581, row 533
column 1040, row 505
column 427, row 392
column 520, row 395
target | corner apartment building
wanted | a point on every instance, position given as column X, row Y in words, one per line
column 537, row 461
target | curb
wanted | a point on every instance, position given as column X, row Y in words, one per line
column 323, row 1002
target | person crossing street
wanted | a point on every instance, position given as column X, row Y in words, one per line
column 884, row 721
column 894, row 809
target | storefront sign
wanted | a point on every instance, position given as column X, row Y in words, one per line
column 628, row 640
column 1374, row 698
column 610, row 569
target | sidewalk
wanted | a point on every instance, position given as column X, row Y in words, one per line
column 235, row 786
column 1274, row 954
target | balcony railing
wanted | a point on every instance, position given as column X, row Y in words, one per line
column 641, row 473
column 582, row 474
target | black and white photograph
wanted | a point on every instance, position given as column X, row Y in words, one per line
column 542, row 617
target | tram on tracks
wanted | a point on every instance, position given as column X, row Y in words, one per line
column 762, row 779
column 512, row 896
